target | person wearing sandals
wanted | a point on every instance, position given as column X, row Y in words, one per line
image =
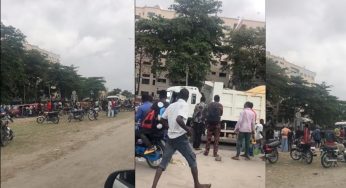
column 214, row 113
column 245, row 129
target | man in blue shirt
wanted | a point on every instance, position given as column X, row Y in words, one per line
column 143, row 109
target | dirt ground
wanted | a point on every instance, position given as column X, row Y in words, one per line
column 76, row 154
column 225, row 174
column 289, row 173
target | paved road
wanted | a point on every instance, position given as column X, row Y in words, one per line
column 88, row 166
column 224, row 174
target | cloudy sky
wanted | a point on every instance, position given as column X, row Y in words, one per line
column 247, row 9
column 310, row 33
column 96, row 36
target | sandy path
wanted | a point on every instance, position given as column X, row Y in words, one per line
column 225, row 174
column 287, row 173
column 85, row 162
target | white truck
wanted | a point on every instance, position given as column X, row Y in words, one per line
column 232, row 101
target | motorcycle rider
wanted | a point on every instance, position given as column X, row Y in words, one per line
column 159, row 108
column 140, row 115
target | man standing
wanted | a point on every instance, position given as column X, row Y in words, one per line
column 245, row 128
column 143, row 109
column 284, row 138
column 198, row 123
column 317, row 137
column 176, row 116
column 259, row 133
column 215, row 111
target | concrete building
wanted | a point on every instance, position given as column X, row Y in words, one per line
column 151, row 85
column 293, row 69
column 52, row 57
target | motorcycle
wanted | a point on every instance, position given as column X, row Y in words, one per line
column 76, row 114
column 301, row 151
column 48, row 116
column 6, row 133
column 153, row 159
column 331, row 154
column 270, row 150
column 93, row 113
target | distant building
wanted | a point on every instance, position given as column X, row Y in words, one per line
column 149, row 84
column 293, row 69
column 50, row 56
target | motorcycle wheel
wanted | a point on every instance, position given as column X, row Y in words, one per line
column 40, row 119
column 70, row 118
column 309, row 156
column 295, row 154
column 274, row 157
column 4, row 140
column 324, row 160
column 91, row 116
column 81, row 117
column 56, row 120
column 154, row 164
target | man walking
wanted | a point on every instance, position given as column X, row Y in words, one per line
column 284, row 139
column 198, row 123
column 176, row 116
column 245, row 128
column 215, row 111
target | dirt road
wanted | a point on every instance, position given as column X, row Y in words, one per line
column 224, row 174
column 83, row 159
column 287, row 173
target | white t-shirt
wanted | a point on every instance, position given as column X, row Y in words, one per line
column 179, row 108
column 258, row 129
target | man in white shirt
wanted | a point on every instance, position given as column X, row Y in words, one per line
column 176, row 116
column 259, row 131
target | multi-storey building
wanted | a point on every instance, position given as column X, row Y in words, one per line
column 51, row 57
column 293, row 69
column 151, row 85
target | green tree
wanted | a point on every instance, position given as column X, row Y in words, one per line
column 127, row 94
column 245, row 47
column 115, row 91
column 189, row 42
column 12, row 69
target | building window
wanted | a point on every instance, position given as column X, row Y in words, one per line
column 137, row 16
column 213, row 73
column 146, row 63
column 161, row 80
column 151, row 14
column 145, row 81
column 144, row 93
column 153, row 82
column 221, row 74
column 193, row 99
column 223, row 63
column 227, row 27
column 146, row 75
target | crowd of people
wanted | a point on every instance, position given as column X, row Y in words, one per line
column 206, row 118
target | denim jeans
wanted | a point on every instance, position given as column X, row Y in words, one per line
column 181, row 144
column 246, row 137
column 284, row 144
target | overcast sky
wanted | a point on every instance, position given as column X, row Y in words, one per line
column 247, row 9
column 310, row 33
column 96, row 36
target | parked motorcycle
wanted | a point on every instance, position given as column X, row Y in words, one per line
column 93, row 113
column 48, row 117
column 331, row 154
column 76, row 114
column 153, row 159
column 5, row 132
column 301, row 151
column 270, row 150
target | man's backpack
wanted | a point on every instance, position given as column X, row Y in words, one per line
column 149, row 120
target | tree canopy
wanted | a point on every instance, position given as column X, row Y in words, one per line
column 28, row 75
